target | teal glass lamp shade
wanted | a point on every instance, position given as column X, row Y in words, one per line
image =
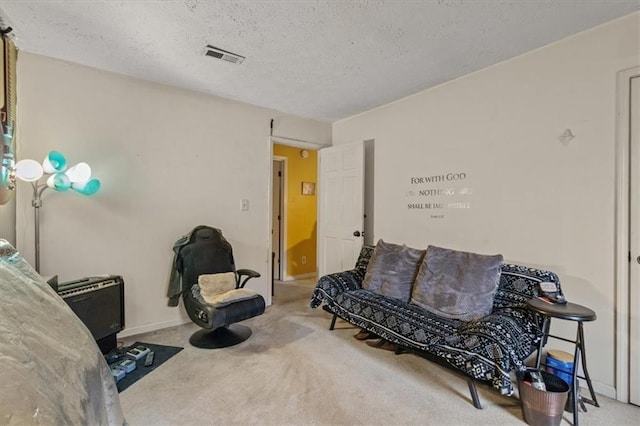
column 54, row 162
column 59, row 181
column 89, row 187
column 28, row 170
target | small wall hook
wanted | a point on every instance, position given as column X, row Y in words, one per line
column 566, row 137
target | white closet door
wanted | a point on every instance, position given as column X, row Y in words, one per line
column 634, row 245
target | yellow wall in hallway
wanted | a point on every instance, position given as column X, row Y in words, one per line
column 301, row 209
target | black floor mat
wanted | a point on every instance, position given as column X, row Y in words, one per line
column 161, row 354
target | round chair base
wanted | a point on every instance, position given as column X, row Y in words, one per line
column 222, row 337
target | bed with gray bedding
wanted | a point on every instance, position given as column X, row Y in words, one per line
column 51, row 369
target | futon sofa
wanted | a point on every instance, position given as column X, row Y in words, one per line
column 485, row 349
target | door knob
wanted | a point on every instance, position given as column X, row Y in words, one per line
column 356, row 233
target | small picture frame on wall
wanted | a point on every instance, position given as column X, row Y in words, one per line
column 308, row 188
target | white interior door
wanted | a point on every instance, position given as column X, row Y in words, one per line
column 276, row 226
column 340, row 207
column 634, row 245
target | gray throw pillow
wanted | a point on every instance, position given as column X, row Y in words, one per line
column 457, row 284
column 392, row 270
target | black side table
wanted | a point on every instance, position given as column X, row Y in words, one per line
column 569, row 312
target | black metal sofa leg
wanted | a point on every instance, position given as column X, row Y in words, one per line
column 333, row 321
column 474, row 393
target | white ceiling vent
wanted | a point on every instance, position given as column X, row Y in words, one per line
column 214, row 52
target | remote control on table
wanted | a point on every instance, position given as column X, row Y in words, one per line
column 148, row 361
column 551, row 293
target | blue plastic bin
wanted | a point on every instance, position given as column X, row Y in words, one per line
column 560, row 363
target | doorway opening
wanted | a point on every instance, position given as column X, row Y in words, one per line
column 278, row 215
column 294, row 211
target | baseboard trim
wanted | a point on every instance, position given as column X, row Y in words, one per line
column 151, row 327
column 599, row 388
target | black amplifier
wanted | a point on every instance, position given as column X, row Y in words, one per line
column 99, row 303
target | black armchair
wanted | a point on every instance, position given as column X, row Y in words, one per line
column 205, row 251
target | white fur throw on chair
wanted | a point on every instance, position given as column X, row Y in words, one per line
column 217, row 283
column 220, row 289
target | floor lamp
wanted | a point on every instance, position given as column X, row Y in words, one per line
column 52, row 173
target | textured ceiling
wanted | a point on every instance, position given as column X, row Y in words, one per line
column 319, row 59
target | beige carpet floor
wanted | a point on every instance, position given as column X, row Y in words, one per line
column 294, row 371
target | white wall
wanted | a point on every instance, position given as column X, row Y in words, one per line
column 535, row 200
column 168, row 159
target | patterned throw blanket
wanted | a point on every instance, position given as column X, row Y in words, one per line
column 486, row 349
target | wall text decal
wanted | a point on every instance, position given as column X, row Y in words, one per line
column 448, row 193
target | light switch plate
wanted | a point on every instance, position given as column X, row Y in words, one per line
column 244, row 205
